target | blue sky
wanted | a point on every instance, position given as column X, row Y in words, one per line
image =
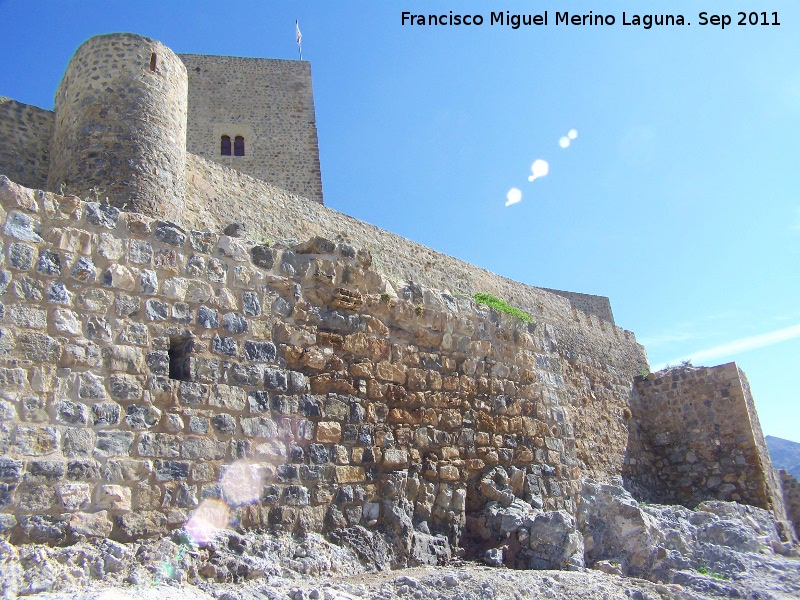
column 679, row 199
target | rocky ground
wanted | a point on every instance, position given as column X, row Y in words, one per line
column 719, row 550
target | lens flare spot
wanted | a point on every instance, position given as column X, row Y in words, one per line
column 539, row 168
column 513, row 196
column 572, row 134
column 207, row 519
column 242, row 483
column 564, row 142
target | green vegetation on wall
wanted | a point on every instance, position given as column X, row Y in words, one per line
column 500, row 305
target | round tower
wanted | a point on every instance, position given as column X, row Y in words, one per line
column 120, row 125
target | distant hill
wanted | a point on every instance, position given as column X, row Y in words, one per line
column 784, row 455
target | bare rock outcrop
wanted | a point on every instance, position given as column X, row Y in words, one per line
column 674, row 544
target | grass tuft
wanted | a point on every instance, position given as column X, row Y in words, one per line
column 500, row 305
column 710, row 573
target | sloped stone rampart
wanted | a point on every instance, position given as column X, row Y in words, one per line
column 151, row 372
column 25, row 132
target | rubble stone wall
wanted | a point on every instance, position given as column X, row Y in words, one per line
column 599, row 306
column 791, row 498
column 218, row 196
column 121, row 125
column 699, row 438
column 25, row 132
column 148, row 367
column 270, row 103
column 599, row 359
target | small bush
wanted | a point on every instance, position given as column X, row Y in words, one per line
column 709, row 573
column 501, row 306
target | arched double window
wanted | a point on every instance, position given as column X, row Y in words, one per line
column 238, row 145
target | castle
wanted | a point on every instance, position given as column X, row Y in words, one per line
column 185, row 328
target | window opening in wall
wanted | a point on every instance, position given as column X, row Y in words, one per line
column 226, row 145
column 153, row 59
column 238, row 146
column 180, row 349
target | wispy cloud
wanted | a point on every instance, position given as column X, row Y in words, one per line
column 703, row 327
column 672, row 337
column 742, row 345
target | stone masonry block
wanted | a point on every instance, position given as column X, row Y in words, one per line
column 113, row 443
column 227, row 397
column 387, row 371
column 36, row 441
column 20, row 256
column 23, row 227
column 329, row 432
column 39, row 347
column 162, row 445
column 348, row 474
column 113, row 497
column 45, row 470
column 395, row 458
column 73, row 496
column 202, row 448
column 90, row 525
column 10, row 469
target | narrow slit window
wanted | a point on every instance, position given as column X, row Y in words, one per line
column 238, row 146
column 153, row 61
column 180, row 349
column 226, row 145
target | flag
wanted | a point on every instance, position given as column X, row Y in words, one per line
column 297, row 36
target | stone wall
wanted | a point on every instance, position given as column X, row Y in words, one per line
column 151, row 372
column 699, row 438
column 25, row 132
column 772, row 479
column 598, row 359
column 218, row 196
column 791, row 498
column 599, row 306
column 271, row 104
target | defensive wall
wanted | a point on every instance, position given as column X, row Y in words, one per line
column 699, row 437
column 142, row 361
column 791, row 498
column 236, row 350
column 600, row 306
column 26, row 132
column 599, row 359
